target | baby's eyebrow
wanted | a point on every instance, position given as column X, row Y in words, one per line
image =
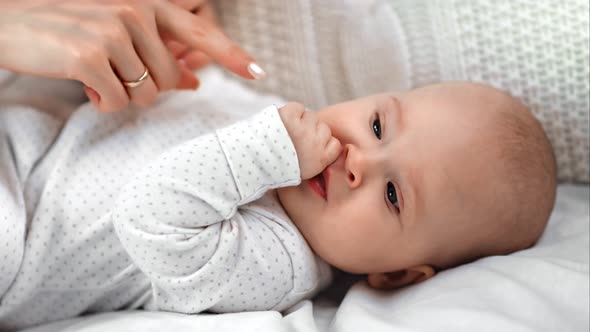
column 394, row 114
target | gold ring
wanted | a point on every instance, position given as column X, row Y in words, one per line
column 139, row 81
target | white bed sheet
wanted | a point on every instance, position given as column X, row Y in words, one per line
column 545, row 288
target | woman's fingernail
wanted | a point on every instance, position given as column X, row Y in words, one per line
column 255, row 70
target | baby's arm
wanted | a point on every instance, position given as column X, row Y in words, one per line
column 179, row 221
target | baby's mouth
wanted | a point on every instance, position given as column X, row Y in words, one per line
column 318, row 185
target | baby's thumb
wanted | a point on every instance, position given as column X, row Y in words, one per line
column 333, row 150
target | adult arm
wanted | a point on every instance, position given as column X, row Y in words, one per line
column 101, row 43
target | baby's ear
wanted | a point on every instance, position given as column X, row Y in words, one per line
column 397, row 279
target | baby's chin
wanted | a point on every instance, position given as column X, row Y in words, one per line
column 288, row 199
column 295, row 201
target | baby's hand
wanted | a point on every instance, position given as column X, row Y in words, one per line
column 313, row 141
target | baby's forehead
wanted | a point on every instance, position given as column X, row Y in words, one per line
column 461, row 93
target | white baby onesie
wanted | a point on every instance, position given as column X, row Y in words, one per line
column 150, row 208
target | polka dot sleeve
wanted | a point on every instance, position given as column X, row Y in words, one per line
column 179, row 218
column 25, row 137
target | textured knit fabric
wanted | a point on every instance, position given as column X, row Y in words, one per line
column 322, row 52
column 150, row 208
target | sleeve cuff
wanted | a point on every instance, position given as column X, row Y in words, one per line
column 260, row 154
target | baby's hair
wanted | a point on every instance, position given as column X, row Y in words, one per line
column 530, row 171
column 525, row 188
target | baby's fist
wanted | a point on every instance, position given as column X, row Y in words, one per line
column 316, row 147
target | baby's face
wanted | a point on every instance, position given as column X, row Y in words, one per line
column 397, row 194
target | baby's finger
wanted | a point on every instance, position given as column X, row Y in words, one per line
column 291, row 113
column 332, row 151
column 322, row 132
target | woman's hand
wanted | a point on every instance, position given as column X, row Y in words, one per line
column 193, row 59
column 104, row 42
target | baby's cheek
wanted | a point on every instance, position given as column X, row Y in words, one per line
column 293, row 201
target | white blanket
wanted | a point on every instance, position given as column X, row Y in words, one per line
column 545, row 288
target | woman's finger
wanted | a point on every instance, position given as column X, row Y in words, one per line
column 207, row 12
column 188, row 4
column 187, row 78
column 129, row 67
column 99, row 76
column 196, row 60
column 200, row 34
column 152, row 50
column 175, row 48
column 93, row 96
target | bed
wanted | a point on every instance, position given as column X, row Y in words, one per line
column 311, row 51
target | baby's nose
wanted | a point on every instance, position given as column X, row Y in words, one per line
column 356, row 165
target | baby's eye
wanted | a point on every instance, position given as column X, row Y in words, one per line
column 391, row 194
column 377, row 128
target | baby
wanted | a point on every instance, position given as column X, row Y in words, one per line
column 426, row 180
column 151, row 209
